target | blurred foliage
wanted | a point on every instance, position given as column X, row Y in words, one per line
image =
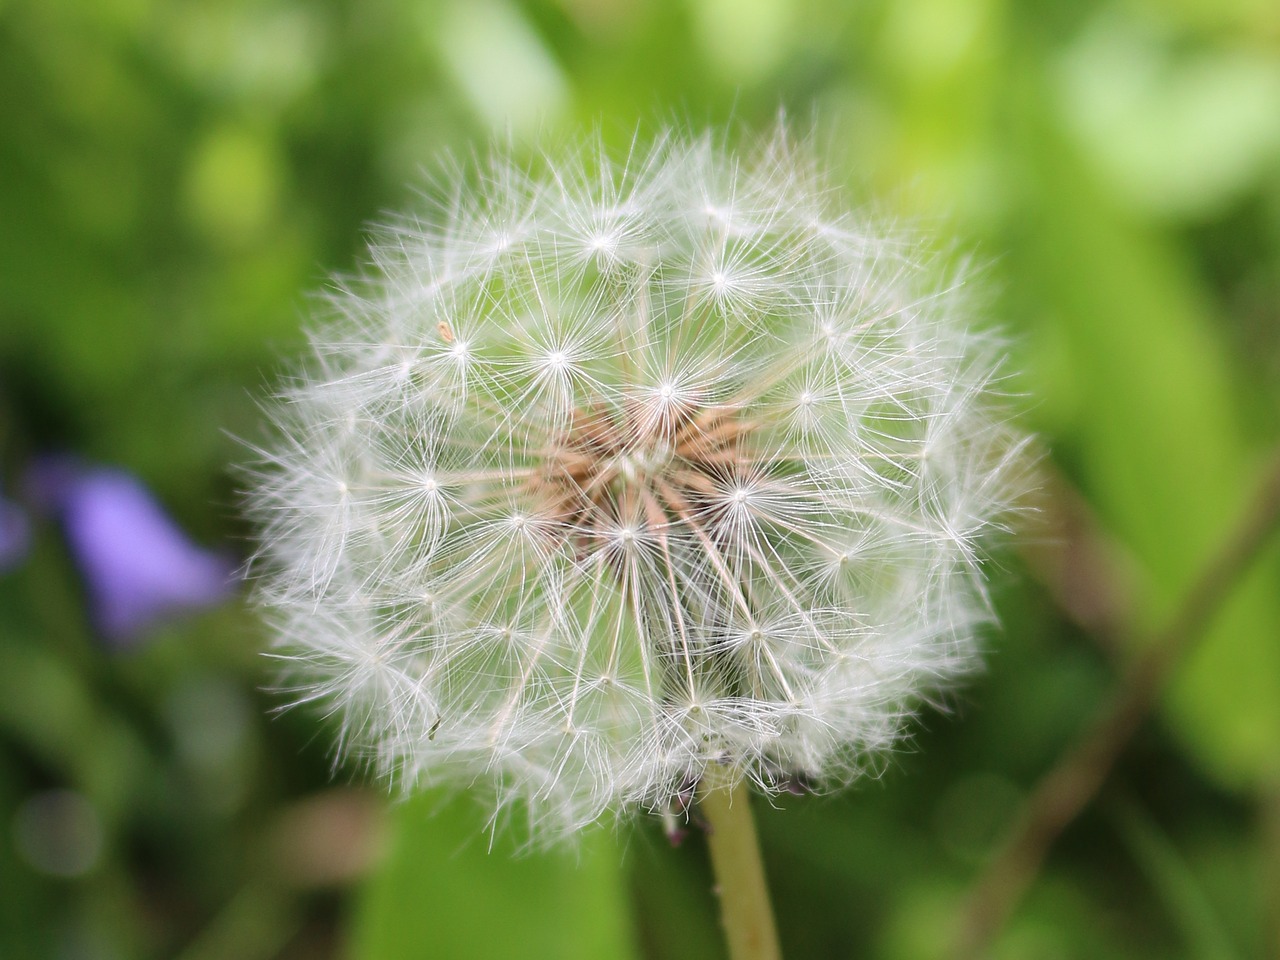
column 178, row 176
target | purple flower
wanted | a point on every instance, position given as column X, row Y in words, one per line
column 15, row 534
column 138, row 565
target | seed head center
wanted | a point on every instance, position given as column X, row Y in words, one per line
column 618, row 469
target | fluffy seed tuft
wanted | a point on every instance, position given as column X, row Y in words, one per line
column 608, row 471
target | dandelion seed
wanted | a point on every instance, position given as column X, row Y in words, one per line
column 612, row 473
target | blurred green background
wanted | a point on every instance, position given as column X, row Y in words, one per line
column 176, row 179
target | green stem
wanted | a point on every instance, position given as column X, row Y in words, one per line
column 745, row 910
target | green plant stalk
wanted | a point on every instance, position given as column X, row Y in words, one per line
column 745, row 909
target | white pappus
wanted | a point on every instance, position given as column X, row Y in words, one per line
column 610, row 469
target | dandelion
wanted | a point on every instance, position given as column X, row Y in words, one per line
column 612, row 479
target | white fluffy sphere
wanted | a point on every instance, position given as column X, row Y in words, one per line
column 610, row 470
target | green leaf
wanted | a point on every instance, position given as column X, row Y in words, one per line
column 1156, row 431
column 443, row 891
column 1175, row 883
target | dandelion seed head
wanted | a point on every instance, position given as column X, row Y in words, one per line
column 611, row 469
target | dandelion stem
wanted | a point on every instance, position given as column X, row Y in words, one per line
column 745, row 909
